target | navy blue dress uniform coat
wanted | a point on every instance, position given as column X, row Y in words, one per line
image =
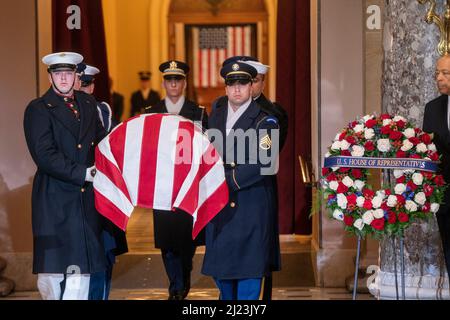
column 139, row 103
column 66, row 226
column 173, row 230
column 240, row 239
column 435, row 121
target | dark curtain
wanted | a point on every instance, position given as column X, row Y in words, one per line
column 294, row 94
column 89, row 40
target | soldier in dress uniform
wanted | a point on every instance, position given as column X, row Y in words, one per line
column 240, row 238
column 62, row 129
column 145, row 96
column 114, row 239
column 173, row 230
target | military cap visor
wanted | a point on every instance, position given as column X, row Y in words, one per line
column 145, row 75
column 238, row 71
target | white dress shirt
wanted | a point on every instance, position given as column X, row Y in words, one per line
column 233, row 116
column 174, row 108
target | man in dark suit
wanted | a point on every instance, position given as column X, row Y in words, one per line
column 145, row 96
column 173, row 230
column 117, row 103
column 62, row 129
column 437, row 121
column 240, row 239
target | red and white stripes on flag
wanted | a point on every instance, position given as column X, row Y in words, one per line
column 159, row 161
column 212, row 45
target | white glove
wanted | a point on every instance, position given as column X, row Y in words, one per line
column 90, row 173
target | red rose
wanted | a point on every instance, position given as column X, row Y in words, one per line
column 386, row 130
column 325, row 171
column 392, row 217
column 367, row 204
column 351, row 139
column 342, row 136
column 401, row 179
column 415, row 156
column 428, row 190
column 400, row 199
column 401, row 124
column 387, row 192
column 414, row 140
column 401, row 154
column 386, row 116
column 356, row 173
column 427, row 175
column 368, row 194
column 342, row 188
column 433, row 156
column 331, row 197
column 353, row 124
column 371, row 123
column 403, row 217
column 346, row 153
column 331, row 177
column 344, row 170
column 411, row 185
column 369, row 146
column 378, row 224
column 348, row 220
column 426, row 138
column 417, row 131
column 426, row 207
column 395, row 135
column 439, row 181
column 351, row 199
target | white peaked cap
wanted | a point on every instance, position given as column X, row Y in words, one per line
column 91, row 71
column 261, row 68
column 71, row 58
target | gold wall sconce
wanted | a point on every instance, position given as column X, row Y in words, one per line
column 443, row 24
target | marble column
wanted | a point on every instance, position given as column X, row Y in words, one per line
column 410, row 53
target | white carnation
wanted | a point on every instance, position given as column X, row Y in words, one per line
column 358, row 128
column 327, row 155
column 342, row 201
column 400, row 188
column 377, row 201
column 399, row 118
column 434, row 207
column 398, row 173
column 338, row 215
column 409, row 133
column 420, row 198
column 411, row 206
column 335, row 168
column 421, row 147
column 387, row 122
column 336, row 145
column 347, row 181
column 368, row 217
column 367, row 118
column 369, row 134
column 360, row 201
column 337, row 137
column 407, row 145
column 392, row 201
column 432, row 147
column 384, row 145
column 359, row 185
column 359, row 224
column 334, row 185
column 358, row 151
column 345, row 145
column 381, row 193
column 378, row 214
column 417, row 178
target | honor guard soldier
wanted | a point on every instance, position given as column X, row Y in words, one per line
column 62, row 129
column 114, row 239
column 145, row 96
column 239, row 239
column 173, row 230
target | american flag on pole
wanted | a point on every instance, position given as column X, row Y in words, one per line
column 159, row 161
column 212, row 45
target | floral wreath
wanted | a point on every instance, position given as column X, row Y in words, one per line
column 416, row 194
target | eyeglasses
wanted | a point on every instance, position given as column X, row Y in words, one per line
column 445, row 73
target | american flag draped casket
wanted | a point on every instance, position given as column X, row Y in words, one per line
column 159, row 161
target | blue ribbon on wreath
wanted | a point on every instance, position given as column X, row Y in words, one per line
column 381, row 163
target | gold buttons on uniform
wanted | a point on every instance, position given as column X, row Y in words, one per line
column 233, row 164
column 79, row 146
column 92, row 143
column 83, row 189
column 232, row 204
